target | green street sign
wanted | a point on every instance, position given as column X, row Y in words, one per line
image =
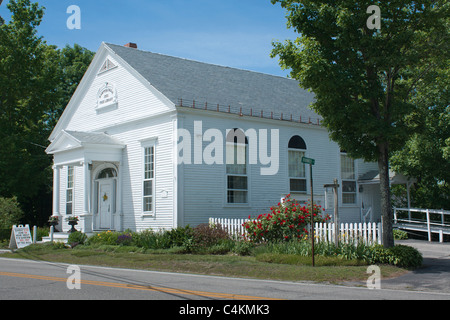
column 308, row 161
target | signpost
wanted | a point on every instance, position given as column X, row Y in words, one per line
column 335, row 187
column 311, row 162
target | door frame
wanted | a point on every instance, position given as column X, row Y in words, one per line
column 108, row 217
column 115, row 201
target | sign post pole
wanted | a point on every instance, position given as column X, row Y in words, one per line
column 311, row 162
column 335, row 187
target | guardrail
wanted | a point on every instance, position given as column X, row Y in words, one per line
column 427, row 223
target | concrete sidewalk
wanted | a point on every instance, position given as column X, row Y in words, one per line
column 433, row 276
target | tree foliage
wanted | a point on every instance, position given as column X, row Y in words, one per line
column 425, row 155
column 364, row 80
column 36, row 82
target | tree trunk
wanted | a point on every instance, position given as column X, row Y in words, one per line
column 386, row 207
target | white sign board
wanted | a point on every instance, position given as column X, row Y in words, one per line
column 20, row 237
column 329, row 199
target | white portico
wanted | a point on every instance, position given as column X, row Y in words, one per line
column 95, row 159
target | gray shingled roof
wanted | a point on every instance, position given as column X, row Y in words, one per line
column 189, row 80
column 94, row 138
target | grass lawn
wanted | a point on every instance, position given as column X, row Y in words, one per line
column 263, row 266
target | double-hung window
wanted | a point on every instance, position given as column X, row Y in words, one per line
column 297, row 172
column 236, row 167
column 348, row 176
column 69, row 191
column 149, row 180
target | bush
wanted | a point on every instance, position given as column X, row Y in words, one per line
column 150, row 239
column 399, row 255
column 180, row 236
column 103, row 238
column 205, row 235
column 400, row 234
column 10, row 212
column 285, row 222
column 76, row 238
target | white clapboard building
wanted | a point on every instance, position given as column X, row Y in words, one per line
column 153, row 141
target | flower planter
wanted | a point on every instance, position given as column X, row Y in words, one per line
column 54, row 224
column 73, row 224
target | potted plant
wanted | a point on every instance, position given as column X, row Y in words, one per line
column 54, row 221
column 73, row 221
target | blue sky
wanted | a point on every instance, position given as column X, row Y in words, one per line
column 234, row 33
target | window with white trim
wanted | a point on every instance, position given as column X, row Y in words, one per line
column 348, row 177
column 297, row 170
column 236, row 167
column 149, row 180
column 69, row 190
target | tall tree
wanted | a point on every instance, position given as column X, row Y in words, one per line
column 36, row 82
column 363, row 79
column 425, row 155
column 28, row 78
column 2, row 21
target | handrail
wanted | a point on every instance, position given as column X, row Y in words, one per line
column 442, row 211
column 369, row 211
column 427, row 222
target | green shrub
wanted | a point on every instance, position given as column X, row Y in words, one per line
column 10, row 212
column 400, row 234
column 5, row 234
column 103, row 238
column 76, row 238
column 221, row 247
column 399, row 255
column 180, row 236
column 150, row 239
column 243, row 248
column 205, row 235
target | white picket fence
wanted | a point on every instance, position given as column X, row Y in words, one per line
column 233, row 226
column 369, row 233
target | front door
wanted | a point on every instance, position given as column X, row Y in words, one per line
column 367, row 203
column 105, row 202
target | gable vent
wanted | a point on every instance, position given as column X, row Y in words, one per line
column 107, row 65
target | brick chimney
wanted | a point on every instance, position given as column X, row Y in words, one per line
column 131, row 45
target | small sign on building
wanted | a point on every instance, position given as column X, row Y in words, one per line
column 20, row 237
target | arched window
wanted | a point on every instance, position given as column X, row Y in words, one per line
column 297, row 172
column 236, row 158
column 297, row 142
column 107, row 173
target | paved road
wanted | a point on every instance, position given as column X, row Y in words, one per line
column 434, row 276
column 32, row 280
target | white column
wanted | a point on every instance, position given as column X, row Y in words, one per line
column 87, row 187
column 56, row 190
column 119, row 208
column 87, row 215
